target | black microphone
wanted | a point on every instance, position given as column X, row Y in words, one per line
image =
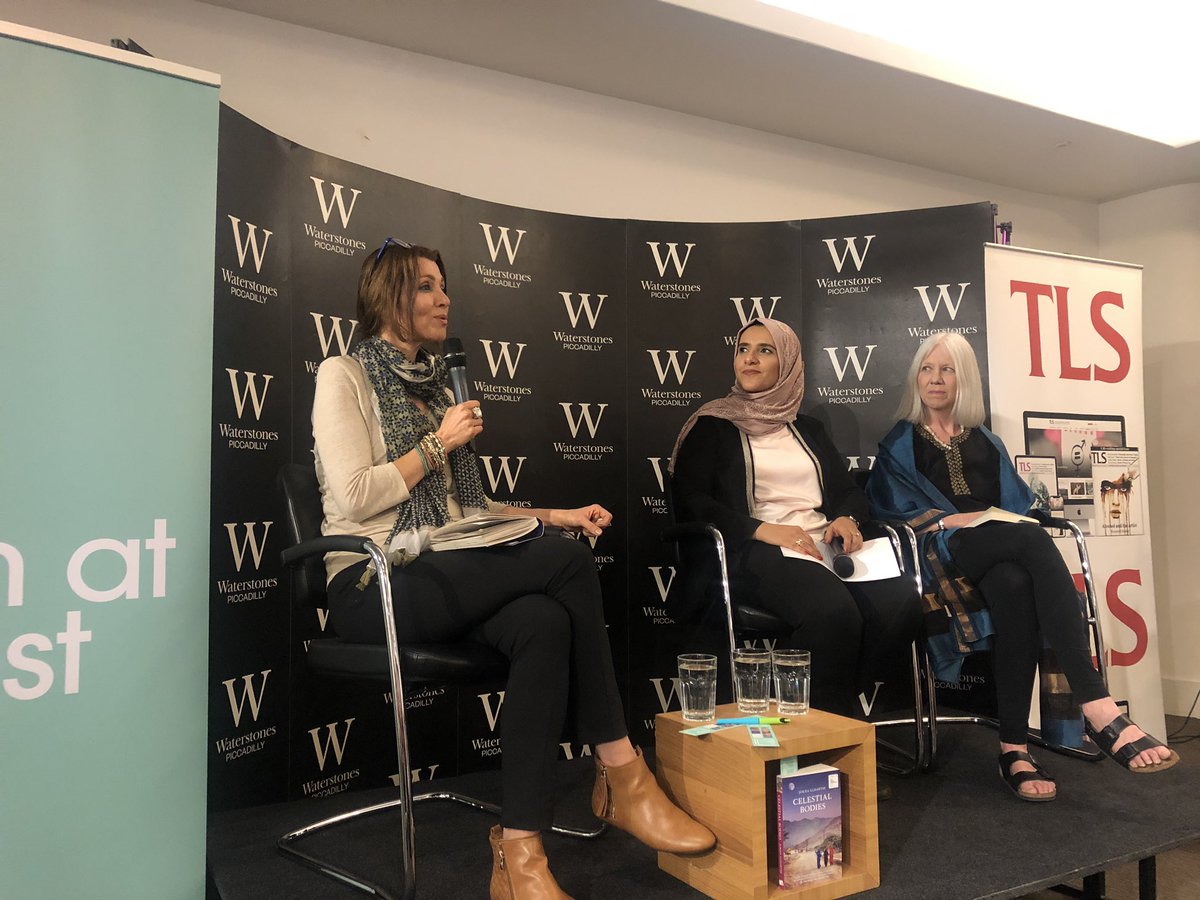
column 456, row 365
column 843, row 565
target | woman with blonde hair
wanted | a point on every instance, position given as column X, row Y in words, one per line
column 938, row 470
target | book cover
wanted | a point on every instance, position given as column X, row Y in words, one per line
column 810, row 825
column 1041, row 474
column 1119, row 491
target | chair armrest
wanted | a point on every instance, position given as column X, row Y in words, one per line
column 327, row 544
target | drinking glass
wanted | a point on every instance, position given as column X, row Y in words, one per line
column 698, row 686
column 793, row 671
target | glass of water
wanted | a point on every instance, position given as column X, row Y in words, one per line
column 793, row 674
column 698, row 686
column 752, row 679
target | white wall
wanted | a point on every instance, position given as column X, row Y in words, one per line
column 1161, row 230
column 517, row 141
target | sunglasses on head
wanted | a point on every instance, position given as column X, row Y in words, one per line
column 404, row 245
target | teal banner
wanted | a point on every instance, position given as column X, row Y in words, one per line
column 106, row 250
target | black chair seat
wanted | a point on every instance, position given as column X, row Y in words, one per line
column 420, row 663
column 754, row 620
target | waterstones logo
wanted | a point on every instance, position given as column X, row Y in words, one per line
column 658, row 615
column 656, row 505
column 669, row 290
column 849, row 284
column 245, row 696
column 247, row 240
column 489, row 746
column 586, row 309
column 583, row 419
column 333, row 198
column 502, row 240
column 667, row 694
column 933, row 305
column 755, row 310
column 248, row 396
column 666, row 363
column 415, row 775
column 502, row 357
column 420, row 700
column 851, row 358
column 585, row 750
column 339, row 334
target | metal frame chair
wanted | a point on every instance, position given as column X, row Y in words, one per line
column 391, row 661
column 755, row 622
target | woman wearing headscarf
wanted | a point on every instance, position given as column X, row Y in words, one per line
column 773, row 484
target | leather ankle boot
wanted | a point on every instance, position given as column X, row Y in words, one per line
column 520, row 870
column 628, row 797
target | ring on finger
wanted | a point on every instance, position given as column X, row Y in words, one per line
column 477, row 412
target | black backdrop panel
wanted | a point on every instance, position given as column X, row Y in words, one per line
column 589, row 341
column 248, row 668
column 875, row 286
column 691, row 287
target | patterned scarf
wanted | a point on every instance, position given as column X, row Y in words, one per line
column 396, row 380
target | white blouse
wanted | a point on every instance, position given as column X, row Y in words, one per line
column 786, row 488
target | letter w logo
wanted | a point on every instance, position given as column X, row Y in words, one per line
column 756, row 309
column 493, row 715
column 672, row 364
column 672, row 257
column 251, row 243
column 664, row 588
column 510, row 249
column 585, row 306
column 332, row 740
column 505, row 471
column 860, row 368
column 851, row 250
column 335, row 333
column 943, row 296
column 237, row 704
column 664, row 699
column 251, row 391
column 251, row 540
column 504, row 356
column 585, row 416
column 334, row 199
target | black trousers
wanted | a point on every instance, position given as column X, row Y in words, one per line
column 1031, row 595
column 539, row 604
column 854, row 630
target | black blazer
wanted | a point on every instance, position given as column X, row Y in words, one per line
column 714, row 478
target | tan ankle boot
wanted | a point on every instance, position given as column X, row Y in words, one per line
column 520, row 870
column 628, row 797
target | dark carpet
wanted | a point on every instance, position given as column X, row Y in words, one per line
column 951, row 834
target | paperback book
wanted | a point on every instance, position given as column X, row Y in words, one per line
column 484, row 530
column 1118, row 490
column 810, row 825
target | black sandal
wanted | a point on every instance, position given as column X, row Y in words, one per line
column 1105, row 737
column 1014, row 780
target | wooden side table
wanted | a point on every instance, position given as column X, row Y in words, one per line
column 729, row 785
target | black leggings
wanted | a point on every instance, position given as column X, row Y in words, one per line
column 852, row 629
column 539, row 604
column 1031, row 595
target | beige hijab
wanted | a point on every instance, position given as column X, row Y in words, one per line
column 761, row 412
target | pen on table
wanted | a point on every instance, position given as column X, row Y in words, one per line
column 755, row 720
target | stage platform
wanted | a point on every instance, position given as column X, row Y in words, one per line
column 952, row 834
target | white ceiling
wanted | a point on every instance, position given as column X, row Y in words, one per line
column 667, row 56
